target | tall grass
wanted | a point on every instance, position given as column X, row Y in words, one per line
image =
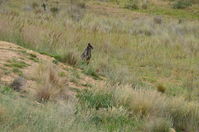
column 49, row 85
column 123, row 47
column 138, row 52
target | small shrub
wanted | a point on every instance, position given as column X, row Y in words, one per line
column 95, row 99
column 181, row 4
column 161, row 88
column 18, row 84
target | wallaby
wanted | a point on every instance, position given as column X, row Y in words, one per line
column 86, row 55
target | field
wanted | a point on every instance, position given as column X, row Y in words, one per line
column 143, row 75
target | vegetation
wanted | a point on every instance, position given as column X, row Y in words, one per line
column 182, row 4
column 145, row 53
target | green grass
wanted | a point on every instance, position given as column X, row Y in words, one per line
column 16, row 64
column 96, row 100
column 18, row 71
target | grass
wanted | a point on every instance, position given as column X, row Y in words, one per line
column 16, row 64
column 50, row 86
column 96, row 100
column 131, row 50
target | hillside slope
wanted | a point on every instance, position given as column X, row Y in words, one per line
column 16, row 61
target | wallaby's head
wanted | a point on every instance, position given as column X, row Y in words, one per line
column 90, row 46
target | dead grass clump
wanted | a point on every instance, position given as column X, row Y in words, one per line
column 50, row 85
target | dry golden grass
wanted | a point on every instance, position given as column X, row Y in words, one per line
column 50, row 86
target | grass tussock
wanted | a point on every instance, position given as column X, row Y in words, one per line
column 156, row 112
column 158, row 125
column 50, row 85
